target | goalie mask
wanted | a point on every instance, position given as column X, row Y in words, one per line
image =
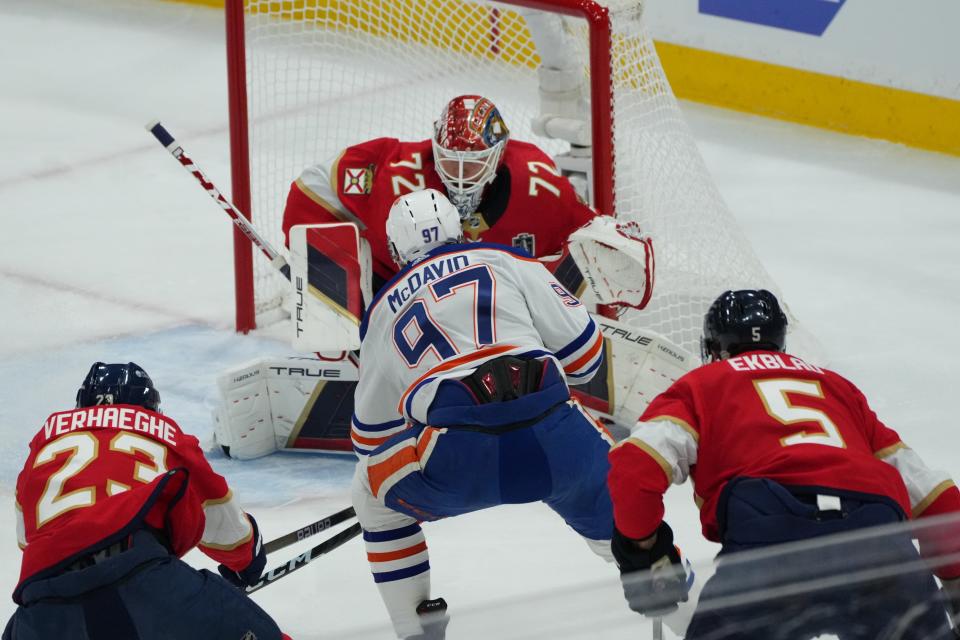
column 419, row 222
column 118, row 384
column 468, row 143
column 740, row 321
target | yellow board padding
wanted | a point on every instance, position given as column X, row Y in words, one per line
column 817, row 99
column 217, row 4
column 731, row 82
column 474, row 29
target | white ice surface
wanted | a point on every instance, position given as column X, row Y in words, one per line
column 111, row 252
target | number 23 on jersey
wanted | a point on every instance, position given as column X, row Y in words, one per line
column 83, row 449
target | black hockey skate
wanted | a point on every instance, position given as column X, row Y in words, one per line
column 433, row 620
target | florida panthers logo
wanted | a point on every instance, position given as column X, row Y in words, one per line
column 358, row 181
column 525, row 241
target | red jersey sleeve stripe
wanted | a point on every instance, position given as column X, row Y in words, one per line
column 886, row 452
column 650, row 451
column 932, row 497
column 636, row 489
column 316, row 199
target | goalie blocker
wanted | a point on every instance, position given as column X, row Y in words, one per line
column 330, row 274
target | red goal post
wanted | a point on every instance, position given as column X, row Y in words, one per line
column 309, row 77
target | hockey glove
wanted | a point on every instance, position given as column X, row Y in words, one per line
column 653, row 579
column 249, row 575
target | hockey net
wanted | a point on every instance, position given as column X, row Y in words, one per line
column 321, row 75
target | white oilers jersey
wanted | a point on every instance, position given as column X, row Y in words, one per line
column 447, row 314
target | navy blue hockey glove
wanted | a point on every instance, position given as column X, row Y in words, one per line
column 249, row 575
column 654, row 580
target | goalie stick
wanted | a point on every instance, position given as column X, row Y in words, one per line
column 329, row 292
column 311, row 529
column 304, row 559
column 170, row 144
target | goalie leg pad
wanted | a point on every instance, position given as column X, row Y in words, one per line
column 293, row 403
column 645, row 364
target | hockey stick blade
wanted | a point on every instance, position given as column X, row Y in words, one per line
column 305, row 558
column 311, row 529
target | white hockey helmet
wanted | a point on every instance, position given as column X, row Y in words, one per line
column 421, row 221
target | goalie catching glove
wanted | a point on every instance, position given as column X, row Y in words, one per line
column 616, row 260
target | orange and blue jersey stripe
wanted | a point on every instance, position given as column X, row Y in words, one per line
column 583, row 355
column 395, row 554
column 368, row 436
column 468, row 362
column 408, row 455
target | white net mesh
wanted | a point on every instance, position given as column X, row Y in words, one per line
column 326, row 74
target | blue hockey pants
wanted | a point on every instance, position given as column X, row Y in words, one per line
column 144, row 593
column 560, row 460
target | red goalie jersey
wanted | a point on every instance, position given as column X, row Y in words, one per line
column 95, row 475
column 529, row 204
column 768, row 415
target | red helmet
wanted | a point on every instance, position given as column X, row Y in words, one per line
column 468, row 143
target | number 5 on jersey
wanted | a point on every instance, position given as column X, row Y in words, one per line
column 773, row 394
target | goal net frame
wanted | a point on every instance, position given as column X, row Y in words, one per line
column 598, row 21
column 645, row 163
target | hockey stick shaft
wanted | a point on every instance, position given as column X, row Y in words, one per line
column 304, row 559
column 170, row 144
column 658, row 629
column 311, row 529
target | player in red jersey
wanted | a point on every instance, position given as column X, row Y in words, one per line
column 780, row 450
column 507, row 191
column 111, row 495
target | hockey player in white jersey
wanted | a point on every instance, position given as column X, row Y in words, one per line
column 463, row 402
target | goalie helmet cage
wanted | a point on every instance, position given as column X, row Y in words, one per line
column 308, row 78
